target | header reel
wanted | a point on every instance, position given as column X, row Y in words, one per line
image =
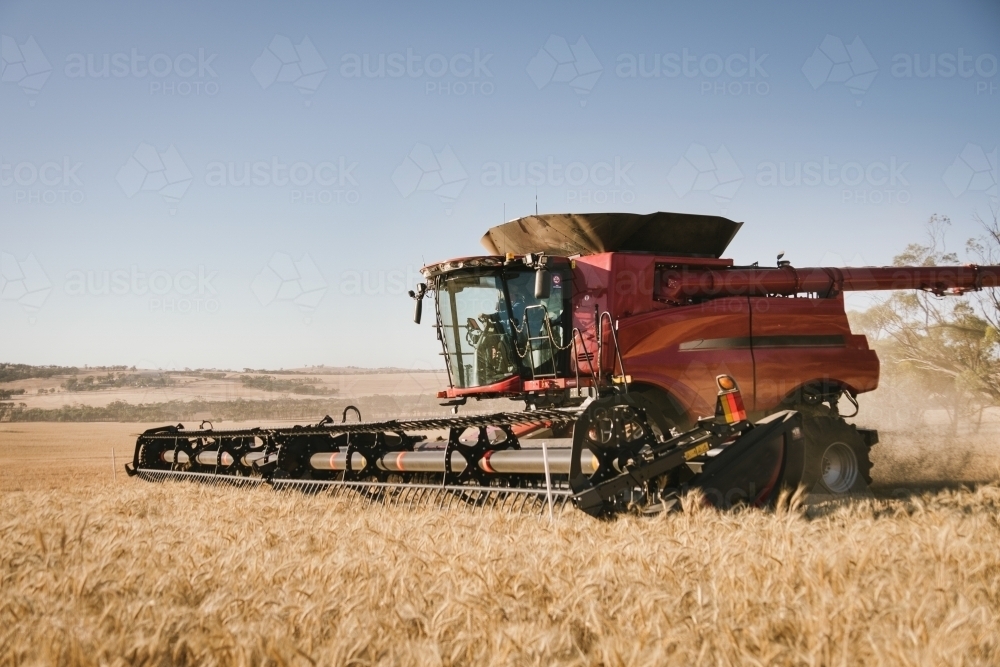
column 623, row 457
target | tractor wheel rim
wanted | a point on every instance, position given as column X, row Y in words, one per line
column 839, row 467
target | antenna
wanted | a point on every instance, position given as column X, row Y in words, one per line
column 536, row 200
column 504, row 212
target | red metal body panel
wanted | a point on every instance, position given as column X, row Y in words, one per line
column 771, row 345
column 789, row 349
column 511, row 386
column 651, row 351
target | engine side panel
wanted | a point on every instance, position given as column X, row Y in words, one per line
column 683, row 349
column 802, row 340
column 771, row 345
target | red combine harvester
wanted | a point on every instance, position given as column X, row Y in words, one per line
column 620, row 332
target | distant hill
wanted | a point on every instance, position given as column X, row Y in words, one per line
column 10, row 372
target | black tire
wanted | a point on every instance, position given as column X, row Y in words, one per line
column 836, row 460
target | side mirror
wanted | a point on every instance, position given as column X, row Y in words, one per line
column 543, row 283
column 418, row 297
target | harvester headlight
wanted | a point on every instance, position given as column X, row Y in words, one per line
column 729, row 404
column 726, row 383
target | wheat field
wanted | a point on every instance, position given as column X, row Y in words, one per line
column 98, row 570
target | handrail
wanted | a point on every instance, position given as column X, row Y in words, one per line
column 618, row 351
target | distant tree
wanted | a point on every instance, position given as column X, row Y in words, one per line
column 947, row 346
column 986, row 250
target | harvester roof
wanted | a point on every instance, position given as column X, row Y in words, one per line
column 676, row 234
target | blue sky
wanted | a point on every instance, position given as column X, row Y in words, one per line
column 132, row 231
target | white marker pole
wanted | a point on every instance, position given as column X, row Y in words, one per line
column 548, row 478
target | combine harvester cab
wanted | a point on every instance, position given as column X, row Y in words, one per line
column 618, row 332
